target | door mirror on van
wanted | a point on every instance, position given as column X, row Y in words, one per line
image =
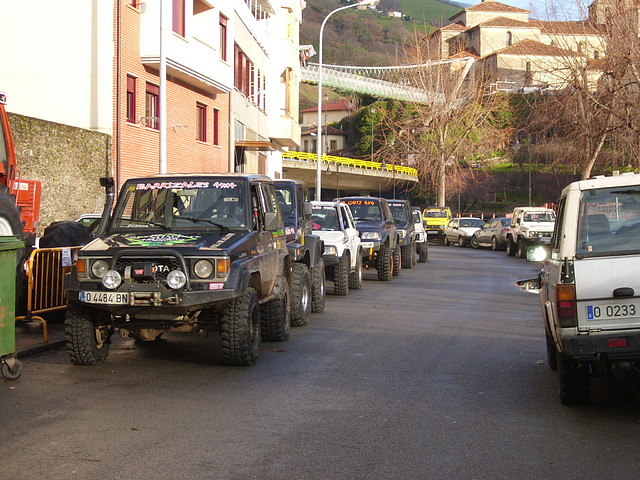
column 271, row 221
column 307, row 209
column 537, row 253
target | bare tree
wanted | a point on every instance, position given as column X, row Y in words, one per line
column 439, row 136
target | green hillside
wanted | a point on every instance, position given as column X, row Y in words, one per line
column 431, row 12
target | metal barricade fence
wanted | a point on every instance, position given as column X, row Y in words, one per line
column 45, row 269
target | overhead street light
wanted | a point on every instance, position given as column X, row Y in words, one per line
column 362, row 3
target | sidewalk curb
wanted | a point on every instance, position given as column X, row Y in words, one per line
column 41, row 347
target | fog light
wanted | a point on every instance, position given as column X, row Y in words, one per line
column 111, row 279
column 176, row 279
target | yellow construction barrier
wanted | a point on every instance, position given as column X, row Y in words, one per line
column 45, row 270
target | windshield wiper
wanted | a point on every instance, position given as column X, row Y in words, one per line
column 148, row 222
column 215, row 224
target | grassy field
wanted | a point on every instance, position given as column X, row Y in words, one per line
column 432, row 11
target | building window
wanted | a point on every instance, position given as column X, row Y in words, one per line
column 596, row 54
column 201, row 122
column 178, row 17
column 333, row 145
column 152, row 106
column 131, row 99
column 223, row 37
column 509, row 39
column 216, row 126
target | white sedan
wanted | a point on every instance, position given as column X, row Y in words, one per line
column 460, row 230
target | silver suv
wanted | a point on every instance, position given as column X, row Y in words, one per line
column 589, row 287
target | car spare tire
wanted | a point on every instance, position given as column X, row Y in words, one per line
column 65, row 234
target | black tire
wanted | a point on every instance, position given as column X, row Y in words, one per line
column 407, row 255
column 384, row 264
column 240, row 330
column 521, row 249
column 552, row 352
column 318, row 293
column 423, row 252
column 10, row 223
column 494, row 243
column 445, row 241
column 13, row 371
column 574, row 381
column 511, row 247
column 355, row 277
column 397, row 261
column 65, row 234
column 341, row 278
column 88, row 338
column 300, row 295
column 275, row 315
column 474, row 242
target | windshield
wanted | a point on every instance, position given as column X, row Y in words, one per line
column 176, row 204
column 365, row 210
column 539, row 217
column 325, row 217
column 471, row 222
column 609, row 222
column 436, row 213
column 285, row 197
column 399, row 211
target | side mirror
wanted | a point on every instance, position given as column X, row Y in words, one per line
column 271, row 221
column 307, row 209
column 537, row 253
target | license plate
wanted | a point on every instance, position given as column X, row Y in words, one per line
column 367, row 244
column 609, row 312
column 105, row 298
column 545, row 239
column 433, row 231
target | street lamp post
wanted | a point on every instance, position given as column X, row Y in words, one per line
column 516, row 147
column 361, row 3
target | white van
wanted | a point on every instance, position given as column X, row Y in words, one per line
column 590, row 285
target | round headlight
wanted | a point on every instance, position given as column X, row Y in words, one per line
column 99, row 268
column 111, row 279
column 203, row 268
column 176, row 279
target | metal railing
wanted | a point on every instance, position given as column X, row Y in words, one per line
column 350, row 162
column 45, row 270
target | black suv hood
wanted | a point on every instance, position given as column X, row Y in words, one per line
column 370, row 226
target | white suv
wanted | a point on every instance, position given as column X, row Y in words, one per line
column 529, row 226
column 334, row 224
column 590, row 287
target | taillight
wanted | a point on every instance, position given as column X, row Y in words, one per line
column 566, row 305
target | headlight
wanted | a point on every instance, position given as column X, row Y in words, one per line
column 176, row 279
column 203, row 269
column 111, row 279
column 330, row 250
column 99, row 268
column 402, row 233
column 370, row 236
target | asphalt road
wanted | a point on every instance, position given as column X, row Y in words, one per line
column 439, row 374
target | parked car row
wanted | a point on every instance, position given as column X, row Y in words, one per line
column 239, row 255
column 527, row 227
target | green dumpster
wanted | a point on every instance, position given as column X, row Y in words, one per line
column 11, row 367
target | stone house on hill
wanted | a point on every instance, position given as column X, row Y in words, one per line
column 516, row 51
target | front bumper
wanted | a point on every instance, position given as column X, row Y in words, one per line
column 330, row 260
column 150, row 297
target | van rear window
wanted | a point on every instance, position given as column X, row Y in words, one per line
column 609, row 222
